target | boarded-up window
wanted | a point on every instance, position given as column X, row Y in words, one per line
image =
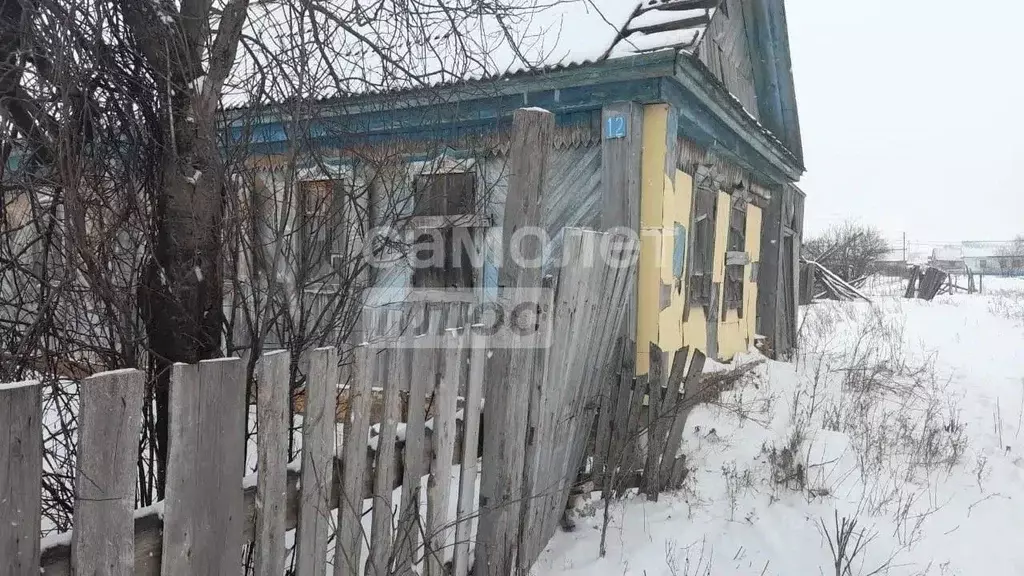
column 321, row 225
column 445, row 194
column 702, row 254
column 735, row 258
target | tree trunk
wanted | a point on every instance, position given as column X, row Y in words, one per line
column 182, row 290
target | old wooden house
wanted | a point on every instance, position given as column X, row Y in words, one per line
column 674, row 118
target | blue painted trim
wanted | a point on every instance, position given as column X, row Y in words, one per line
column 700, row 125
column 572, row 106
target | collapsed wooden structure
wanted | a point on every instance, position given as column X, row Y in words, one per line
column 821, row 283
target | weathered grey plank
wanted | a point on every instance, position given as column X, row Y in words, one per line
column 348, row 546
column 672, row 402
column 560, row 410
column 685, row 406
column 632, row 451
column 620, row 185
column 670, row 405
column 620, row 158
column 443, row 450
column 409, row 524
column 317, row 462
column 510, row 371
column 620, row 422
column 471, row 436
column 21, row 452
column 656, row 384
column 271, row 462
column 608, row 396
column 381, row 532
column 56, row 557
column 204, row 513
column 109, row 423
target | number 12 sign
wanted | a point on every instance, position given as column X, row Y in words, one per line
column 615, row 127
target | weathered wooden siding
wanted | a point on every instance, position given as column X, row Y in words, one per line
column 726, row 52
column 572, row 197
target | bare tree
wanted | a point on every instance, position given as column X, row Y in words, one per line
column 850, row 250
column 134, row 185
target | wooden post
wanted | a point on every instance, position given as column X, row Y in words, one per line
column 110, row 420
column 203, row 511
column 621, row 179
column 21, row 452
column 471, row 437
column 272, row 429
column 349, row 543
column 511, row 371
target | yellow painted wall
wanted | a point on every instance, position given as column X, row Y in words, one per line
column 666, row 199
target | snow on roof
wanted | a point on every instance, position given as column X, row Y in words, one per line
column 948, row 253
column 339, row 47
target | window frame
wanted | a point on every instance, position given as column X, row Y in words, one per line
column 703, row 223
column 733, row 284
column 339, row 248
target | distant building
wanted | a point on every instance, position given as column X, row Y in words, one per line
column 949, row 258
column 991, row 258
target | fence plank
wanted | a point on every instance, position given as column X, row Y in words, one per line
column 272, row 461
column 670, row 405
column 409, row 527
column 609, row 387
column 204, row 514
column 563, row 387
column 348, row 546
column 656, row 383
column 442, row 452
column 510, row 371
column 110, row 420
column 605, row 307
column 631, row 450
column 21, row 452
column 471, row 437
column 671, row 473
column 317, row 463
column 381, row 535
column 673, row 408
column 620, row 422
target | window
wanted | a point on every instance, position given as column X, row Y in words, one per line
column 735, row 257
column 446, row 194
column 321, row 225
column 702, row 254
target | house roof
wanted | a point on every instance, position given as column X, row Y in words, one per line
column 948, row 253
column 348, row 50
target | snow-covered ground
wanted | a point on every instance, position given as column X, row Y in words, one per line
column 904, row 416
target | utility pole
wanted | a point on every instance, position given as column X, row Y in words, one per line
column 904, row 247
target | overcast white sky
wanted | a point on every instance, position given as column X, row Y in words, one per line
column 912, row 114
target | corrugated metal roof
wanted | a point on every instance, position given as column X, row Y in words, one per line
column 346, row 51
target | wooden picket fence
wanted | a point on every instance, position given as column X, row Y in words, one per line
column 210, row 511
column 639, row 427
column 540, row 405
